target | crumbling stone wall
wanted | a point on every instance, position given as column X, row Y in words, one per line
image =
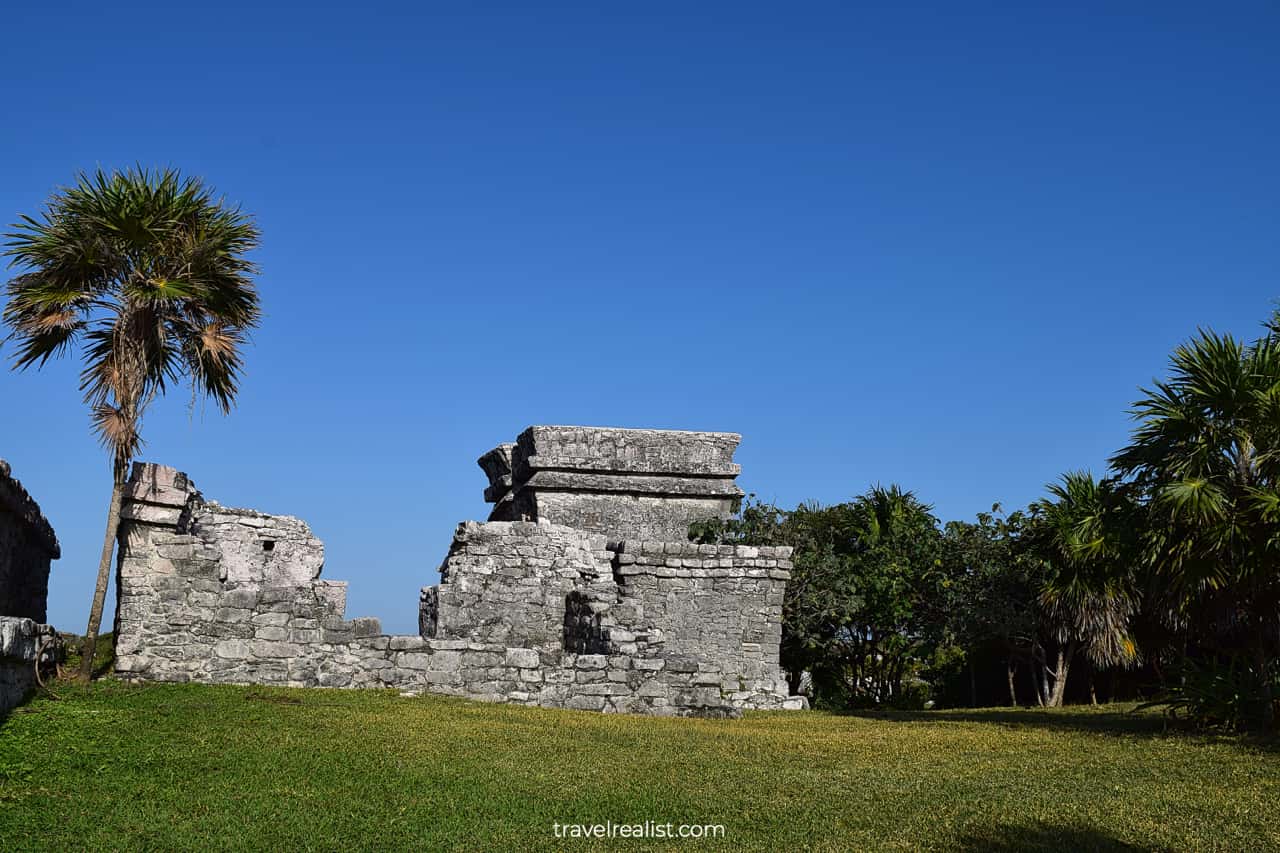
column 27, row 547
column 21, row 641
column 209, row 593
column 525, row 611
column 508, row 582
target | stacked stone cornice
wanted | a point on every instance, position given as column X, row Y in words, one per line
column 625, row 483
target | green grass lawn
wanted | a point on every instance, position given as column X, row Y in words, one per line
column 200, row 767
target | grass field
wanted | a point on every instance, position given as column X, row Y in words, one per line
column 201, row 767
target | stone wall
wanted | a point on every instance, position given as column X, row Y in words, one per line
column 27, row 546
column 716, row 602
column 21, row 640
column 624, row 483
column 525, row 611
column 507, row 582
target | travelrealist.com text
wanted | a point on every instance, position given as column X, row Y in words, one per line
column 647, row 829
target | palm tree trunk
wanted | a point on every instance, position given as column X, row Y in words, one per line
column 104, row 575
column 1010, row 669
column 1060, row 674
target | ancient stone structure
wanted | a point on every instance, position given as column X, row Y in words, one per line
column 21, row 641
column 625, row 483
column 27, row 546
column 529, row 609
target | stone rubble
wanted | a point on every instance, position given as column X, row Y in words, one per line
column 20, row 641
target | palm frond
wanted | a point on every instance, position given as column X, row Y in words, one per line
column 149, row 271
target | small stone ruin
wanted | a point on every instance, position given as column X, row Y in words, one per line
column 581, row 591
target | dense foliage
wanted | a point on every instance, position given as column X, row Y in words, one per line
column 1162, row 576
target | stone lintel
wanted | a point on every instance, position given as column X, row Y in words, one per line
column 631, row 484
column 626, row 451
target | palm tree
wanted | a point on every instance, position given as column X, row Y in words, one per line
column 1207, row 452
column 1085, row 534
column 145, row 276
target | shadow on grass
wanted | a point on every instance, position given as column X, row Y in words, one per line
column 1006, row 838
column 21, row 707
column 1117, row 723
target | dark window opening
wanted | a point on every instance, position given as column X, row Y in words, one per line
column 268, row 545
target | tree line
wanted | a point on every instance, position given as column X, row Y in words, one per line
column 1159, row 580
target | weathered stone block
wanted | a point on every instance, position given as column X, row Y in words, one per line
column 236, row 649
column 523, row 658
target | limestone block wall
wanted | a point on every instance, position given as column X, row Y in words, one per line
column 717, row 603
column 27, row 547
column 20, row 642
column 210, row 593
column 624, row 483
column 525, row 612
column 508, row 582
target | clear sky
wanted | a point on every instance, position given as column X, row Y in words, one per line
column 933, row 245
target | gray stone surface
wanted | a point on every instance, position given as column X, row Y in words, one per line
column 525, row 611
column 27, row 546
column 20, row 641
column 624, row 483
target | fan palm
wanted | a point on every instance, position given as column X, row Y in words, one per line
column 1084, row 532
column 1207, row 451
column 144, row 275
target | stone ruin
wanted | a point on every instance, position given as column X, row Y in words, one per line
column 27, row 547
column 581, row 591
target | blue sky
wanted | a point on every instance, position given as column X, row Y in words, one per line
column 938, row 245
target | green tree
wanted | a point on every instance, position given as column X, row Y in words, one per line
column 144, row 276
column 1085, row 534
column 994, row 598
column 1206, row 455
column 896, row 560
column 858, row 615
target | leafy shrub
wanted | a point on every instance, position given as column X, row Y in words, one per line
column 1237, row 695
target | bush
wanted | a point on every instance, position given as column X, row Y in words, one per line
column 1236, row 696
